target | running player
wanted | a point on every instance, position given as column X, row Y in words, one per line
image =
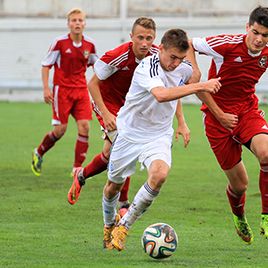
column 232, row 116
column 145, row 130
column 108, row 87
column 70, row 55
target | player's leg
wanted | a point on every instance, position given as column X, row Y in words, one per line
column 60, row 112
column 82, row 112
column 109, row 203
column 122, row 163
column 228, row 153
column 157, row 174
column 259, row 146
column 123, row 199
column 99, row 162
column 81, row 145
column 236, row 193
column 96, row 166
column 47, row 143
column 156, row 156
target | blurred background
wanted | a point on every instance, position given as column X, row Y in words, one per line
column 27, row 27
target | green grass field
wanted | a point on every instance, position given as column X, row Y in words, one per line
column 38, row 228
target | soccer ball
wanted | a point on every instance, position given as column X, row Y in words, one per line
column 159, row 240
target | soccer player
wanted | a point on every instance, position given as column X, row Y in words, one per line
column 232, row 116
column 108, row 87
column 145, row 130
column 70, row 55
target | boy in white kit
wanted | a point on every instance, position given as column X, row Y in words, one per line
column 145, row 130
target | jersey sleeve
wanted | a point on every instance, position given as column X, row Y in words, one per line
column 93, row 54
column 147, row 75
column 211, row 46
column 185, row 69
column 52, row 55
column 104, row 70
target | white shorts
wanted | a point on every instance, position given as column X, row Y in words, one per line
column 125, row 154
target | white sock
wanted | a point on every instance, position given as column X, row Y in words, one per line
column 109, row 209
column 140, row 204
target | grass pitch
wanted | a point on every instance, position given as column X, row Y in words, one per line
column 38, row 228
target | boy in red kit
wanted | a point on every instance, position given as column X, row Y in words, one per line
column 108, row 87
column 70, row 55
column 232, row 117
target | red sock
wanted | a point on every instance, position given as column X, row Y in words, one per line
column 96, row 166
column 124, row 191
column 263, row 184
column 48, row 142
column 237, row 202
column 80, row 152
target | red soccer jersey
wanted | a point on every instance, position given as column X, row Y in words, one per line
column 116, row 69
column 70, row 60
column 239, row 70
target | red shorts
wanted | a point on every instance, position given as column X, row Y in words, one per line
column 227, row 145
column 74, row 101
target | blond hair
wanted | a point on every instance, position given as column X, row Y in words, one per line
column 75, row 11
column 145, row 22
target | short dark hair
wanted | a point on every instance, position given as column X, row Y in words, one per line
column 145, row 22
column 259, row 15
column 175, row 38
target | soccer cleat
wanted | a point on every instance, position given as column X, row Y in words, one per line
column 243, row 229
column 107, row 234
column 107, row 237
column 76, row 187
column 119, row 235
column 36, row 163
column 264, row 225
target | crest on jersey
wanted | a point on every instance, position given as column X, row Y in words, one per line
column 263, row 61
column 86, row 54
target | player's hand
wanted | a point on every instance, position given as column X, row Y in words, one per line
column 229, row 121
column 212, row 85
column 184, row 131
column 48, row 96
column 109, row 121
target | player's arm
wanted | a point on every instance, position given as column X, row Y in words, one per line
column 196, row 75
column 227, row 120
column 182, row 128
column 47, row 93
column 94, row 88
column 163, row 94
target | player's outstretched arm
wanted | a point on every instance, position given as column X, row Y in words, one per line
column 227, row 120
column 173, row 93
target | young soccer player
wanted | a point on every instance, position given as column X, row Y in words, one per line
column 108, row 87
column 70, row 55
column 232, row 116
column 145, row 130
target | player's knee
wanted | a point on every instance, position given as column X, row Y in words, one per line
column 240, row 189
column 158, row 178
column 83, row 127
column 60, row 131
column 111, row 189
column 263, row 155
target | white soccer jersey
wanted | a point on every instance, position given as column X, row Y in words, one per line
column 143, row 118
